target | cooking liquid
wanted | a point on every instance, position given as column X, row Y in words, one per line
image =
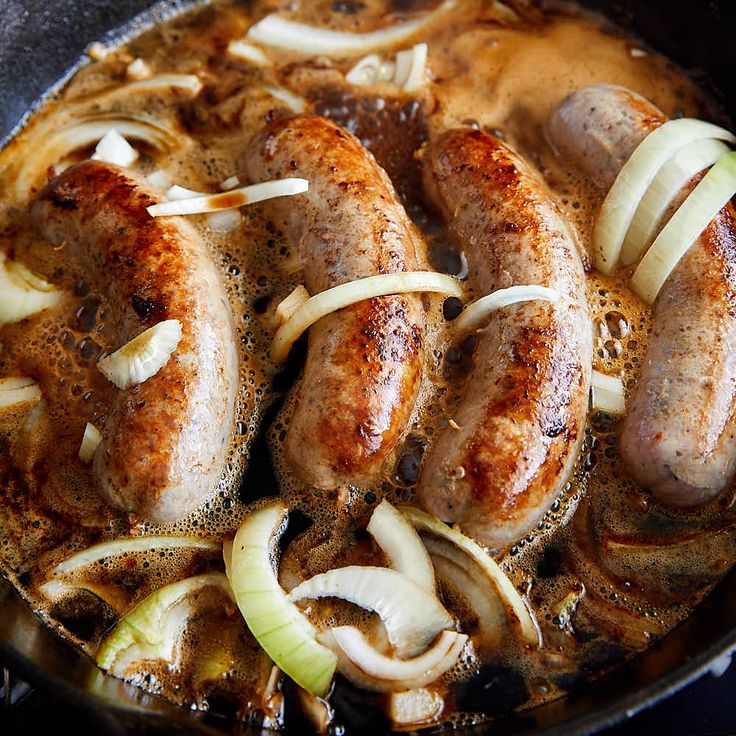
column 602, row 584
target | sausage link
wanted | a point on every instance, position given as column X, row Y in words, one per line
column 524, row 411
column 364, row 362
column 165, row 440
column 679, row 435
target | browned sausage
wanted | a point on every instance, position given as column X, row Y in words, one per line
column 523, row 414
column 164, row 442
column 679, row 435
column 364, row 362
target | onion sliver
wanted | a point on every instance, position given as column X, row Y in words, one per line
column 144, row 356
column 431, row 664
column 292, row 101
column 417, row 65
column 402, row 545
column 412, row 616
column 56, row 590
column 244, row 51
column 276, row 31
column 705, row 201
column 424, row 522
column 186, row 82
column 20, row 296
column 17, row 390
column 281, row 629
column 473, row 316
column 229, row 200
column 153, row 628
column 607, row 393
column 344, row 295
column 634, row 179
column 671, row 178
column 114, row 149
column 90, row 442
column 129, row 545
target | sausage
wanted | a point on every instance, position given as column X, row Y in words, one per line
column 679, row 435
column 364, row 363
column 165, row 440
column 525, row 405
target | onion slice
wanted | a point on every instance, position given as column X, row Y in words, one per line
column 292, row 101
column 244, row 51
column 185, row 82
column 144, row 356
column 23, row 293
column 709, row 197
column 671, row 178
column 412, row 616
column 619, row 206
column 424, row 522
column 17, row 390
column 344, row 295
column 281, row 629
column 114, row 149
column 90, row 442
column 473, row 316
column 200, row 203
column 416, row 66
column 276, row 31
column 607, row 393
column 402, row 545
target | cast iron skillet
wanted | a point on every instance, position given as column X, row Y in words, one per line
column 40, row 43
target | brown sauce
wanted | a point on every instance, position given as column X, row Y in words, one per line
column 606, row 571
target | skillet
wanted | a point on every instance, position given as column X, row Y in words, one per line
column 40, row 43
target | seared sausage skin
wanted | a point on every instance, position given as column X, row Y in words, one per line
column 524, row 410
column 679, row 435
column 165, row 440
column 364, row 362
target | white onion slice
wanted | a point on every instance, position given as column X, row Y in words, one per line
column 607, row 393
column 344, row 295
column 225, row 221
column 129, row 545
column 144, row 356
column 201, row 203
column 137, row 70
column 369, row 70
column 634, row 179
column 292, row 101
column 17, row 390
column 414, row 707
column 286, row 34
column 230, row 183
column 424, row 522
column 288, row 306
column 671, row 178
column 90, row 442
column 245, row 51
column 709, row 197
column 417, row 65
column 473, row 316
column 412, row 616
column 55, row 590
column 114, row 149
column 282, row 630
column 185, row 82
column 402, row 545
column 23, row 293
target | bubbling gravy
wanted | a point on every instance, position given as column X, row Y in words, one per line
column 606, row 571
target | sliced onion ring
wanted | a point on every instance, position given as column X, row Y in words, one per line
column 17, row 390
column 473, row 316
column 424, row 522
column 633, row 180
column 671, row 178
column 276, row 31
column 708, row 198
column 231, row 199
column 607, row 393
column 344, row 295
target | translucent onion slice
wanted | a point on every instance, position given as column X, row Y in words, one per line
column 228, row 200
column 292, row 101
column 114, row 149
column 709, row 197
column 90, row 442
column 414, row 707
column 17, row 390
column 286, row 34
column 226, row 221
column 137, row 70
column 362, row 650
column 287, row 307
column 20, row 296
column 144, row 356
column 402, row 545
column 245, row 51
column 56, row 590
column 607, row 393
column 186, row 82
column 281, row 629
column 412, row 616
column 473, row 316
column 416, row 65
column 128, row 545
column 344, row 295
column 424, row 522
column 152, row 630
column 619, row 206
column 671, row 178
column 369, row 70
column 230, row 183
